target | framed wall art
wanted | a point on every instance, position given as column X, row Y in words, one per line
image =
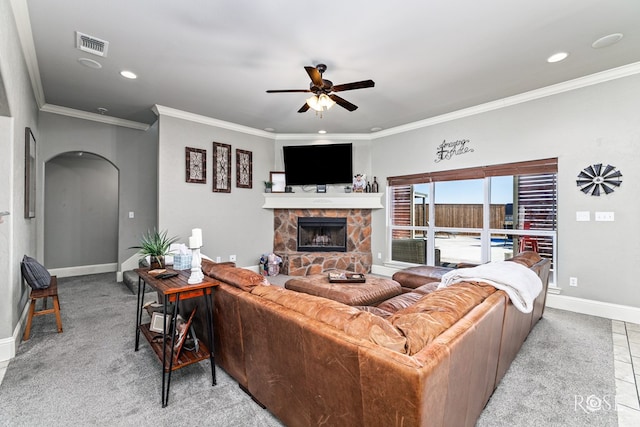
column 196, row 165
column 221, row 168
column 278, row 180
column 29, row 174
column 244, row 169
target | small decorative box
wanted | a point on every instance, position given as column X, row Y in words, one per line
column 182, row 262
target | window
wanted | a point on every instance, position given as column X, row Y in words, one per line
column 472, row 216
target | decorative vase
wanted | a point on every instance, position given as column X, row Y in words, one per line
column 156, row 262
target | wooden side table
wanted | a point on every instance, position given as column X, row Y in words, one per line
column 173, row 290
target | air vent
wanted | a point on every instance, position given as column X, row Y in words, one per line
column 91, row 44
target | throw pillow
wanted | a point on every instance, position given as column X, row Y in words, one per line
column 36, row 275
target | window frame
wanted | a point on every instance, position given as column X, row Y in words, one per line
column 544, row 166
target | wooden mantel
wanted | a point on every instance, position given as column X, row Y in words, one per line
column 322, row 201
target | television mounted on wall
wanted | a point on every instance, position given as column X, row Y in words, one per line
column 318, row 164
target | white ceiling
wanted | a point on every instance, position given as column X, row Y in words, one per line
column 217, row 58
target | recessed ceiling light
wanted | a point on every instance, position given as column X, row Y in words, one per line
column 607, row 41
column 128, row 74
column 90, row 63
column 322, row 131
column 557, row 57
column 376, row 129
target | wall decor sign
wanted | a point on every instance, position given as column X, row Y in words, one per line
column 222, row 168
column 29, row 174
column 196, row 165
column 596, row 179
column 244, row 169
column 447, row 150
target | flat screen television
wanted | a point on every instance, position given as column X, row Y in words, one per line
column 318, row 164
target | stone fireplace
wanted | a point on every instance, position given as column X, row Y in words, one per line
column 320, row 250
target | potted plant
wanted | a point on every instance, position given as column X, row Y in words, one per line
column 267, row 186
column 155, row 245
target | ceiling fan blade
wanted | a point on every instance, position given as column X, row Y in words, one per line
column 288, row 90
column 315, row 76
column 304, row 108
column 355, row 85
column 343, row 102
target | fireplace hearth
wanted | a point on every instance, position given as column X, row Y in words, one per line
column 321, row 234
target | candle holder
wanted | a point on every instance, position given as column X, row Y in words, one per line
column 196, row 271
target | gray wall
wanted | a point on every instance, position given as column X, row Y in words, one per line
column 133, row 152
column 232, row 223
column 81, row 202
column 17, row 234
column 595, row 124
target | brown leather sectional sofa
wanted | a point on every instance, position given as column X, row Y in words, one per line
column 312, row 361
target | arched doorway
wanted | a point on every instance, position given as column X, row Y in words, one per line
column 80, row 213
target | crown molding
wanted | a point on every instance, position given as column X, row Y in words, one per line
column 70, row 112
column 569, row 85
column 197, row 118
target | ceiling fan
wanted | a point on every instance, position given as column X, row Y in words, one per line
column 323, row 97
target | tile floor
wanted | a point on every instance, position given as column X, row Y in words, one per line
column 626, row 351
column 626, row 355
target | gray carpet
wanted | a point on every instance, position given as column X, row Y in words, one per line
column 563, row 376
column 90, row 375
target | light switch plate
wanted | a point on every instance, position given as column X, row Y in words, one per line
column 583, row 216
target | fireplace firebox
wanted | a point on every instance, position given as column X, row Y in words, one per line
column 322, row 234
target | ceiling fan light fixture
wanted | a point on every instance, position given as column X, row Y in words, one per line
column 320, row 103
column 313, row 103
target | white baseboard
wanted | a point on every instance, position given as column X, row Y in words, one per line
column 8, row 346
column 84, row 269
column 623, row 313
column 383, row 270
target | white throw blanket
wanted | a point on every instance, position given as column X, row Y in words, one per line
column 519, row 282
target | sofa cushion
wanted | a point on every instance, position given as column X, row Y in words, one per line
column 374, row 310
column 434, row 313
column 241, row 278
column 527, row 258
column 207, row 265
column 401, row 301
column 356, row 323
column 417, row 276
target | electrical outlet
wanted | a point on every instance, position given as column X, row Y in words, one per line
column 232, row 257
column 218, row 259
column 605, row 216
column 379, row 255
column 573, row 281
column 131, row 214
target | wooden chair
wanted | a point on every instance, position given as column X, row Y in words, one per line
column 36, row 294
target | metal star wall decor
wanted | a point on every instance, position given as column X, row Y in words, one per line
column 596, row 179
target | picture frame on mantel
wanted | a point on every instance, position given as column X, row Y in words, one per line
column 196, row 165
column 29, row 174
column 278, row 180
column 221, row 168
column 244, row 169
